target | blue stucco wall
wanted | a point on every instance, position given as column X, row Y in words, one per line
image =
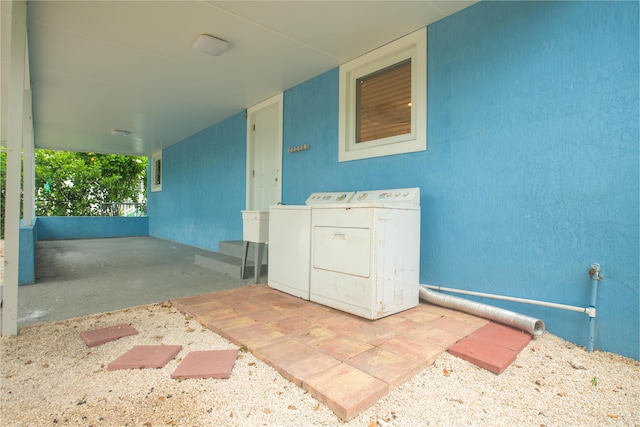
column 90, row 227
column 530, row 176
column 203, row 188
column 534, row 130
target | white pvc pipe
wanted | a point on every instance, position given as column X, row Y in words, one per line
column 588, row 310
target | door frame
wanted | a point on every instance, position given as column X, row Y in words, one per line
column 251, row 113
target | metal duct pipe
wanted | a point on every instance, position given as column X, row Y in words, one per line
column 510, row 318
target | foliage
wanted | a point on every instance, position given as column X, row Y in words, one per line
column 76, row 184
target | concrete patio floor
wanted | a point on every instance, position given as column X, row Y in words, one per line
column 80, row 277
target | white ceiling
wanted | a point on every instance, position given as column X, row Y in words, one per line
column 102, row 65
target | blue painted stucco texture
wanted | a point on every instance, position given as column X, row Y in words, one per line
column 27, row 257
column 203, row 188
column 530, row 176
column 90, row 227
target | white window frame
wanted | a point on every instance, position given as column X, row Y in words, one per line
column 154, row 171
column 412, row 46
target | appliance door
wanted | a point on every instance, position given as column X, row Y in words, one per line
column 290, row 249
column 365, row 259
column 343, row 250
column 343, row 268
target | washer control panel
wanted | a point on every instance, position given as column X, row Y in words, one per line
column 399, row 195
column 329, row 197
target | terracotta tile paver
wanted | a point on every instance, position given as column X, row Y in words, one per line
column 296, row 361
column 255, row 336
column 434, row 309
column 104, row 335
column 493, row 347
column 314, row 335
column 344, row 361
column 311, row 312
column 202, row 304
column 206, row 364
column 215, row 315
column 385, row 365
column 368, row 332
column 421, row 316
column 338, row 321
column 492, row 357
column 304, row 369
column 421, row 352
column 469, row 318
column 289, row 325
column 457, row 326
column 438, row 336
column 267, row 315
column 398, row 324
column 341, row 347
column 346, row 390
column 249, row 306
column 285, row 353
column 145, row 356
column 503, row 335
column 232, row 322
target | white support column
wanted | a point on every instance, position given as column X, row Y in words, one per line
column 14, row 158
column 28, row 162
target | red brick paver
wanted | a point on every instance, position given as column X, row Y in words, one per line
column 100, row 336
column 207, row 364
column 493, row 347
column 145, row 356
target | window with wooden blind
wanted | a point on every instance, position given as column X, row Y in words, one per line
column 383, row 103
column 383, row 100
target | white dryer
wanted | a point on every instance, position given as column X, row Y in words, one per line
column 290, row 243
column 365, row 253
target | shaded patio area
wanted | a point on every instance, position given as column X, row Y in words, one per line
column 80, row 277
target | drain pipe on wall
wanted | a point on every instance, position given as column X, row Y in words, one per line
column 525, row 323
column 594, row 272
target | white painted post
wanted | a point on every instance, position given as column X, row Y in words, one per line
column 14, row 157
column 29, row 167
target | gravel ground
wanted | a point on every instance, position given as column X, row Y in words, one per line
column 49, row 377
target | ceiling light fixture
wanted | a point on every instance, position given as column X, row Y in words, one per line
column 119, row 132
column 210, row 45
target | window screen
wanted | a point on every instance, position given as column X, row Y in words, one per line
column 158, row 174
column 383, row 103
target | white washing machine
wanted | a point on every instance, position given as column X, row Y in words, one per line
column 290, row 243
column 365, row 253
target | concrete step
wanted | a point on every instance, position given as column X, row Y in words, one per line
column 229, row 259
column 220, row 262
column 234, row 248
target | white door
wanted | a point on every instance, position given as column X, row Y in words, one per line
column 264, row 154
